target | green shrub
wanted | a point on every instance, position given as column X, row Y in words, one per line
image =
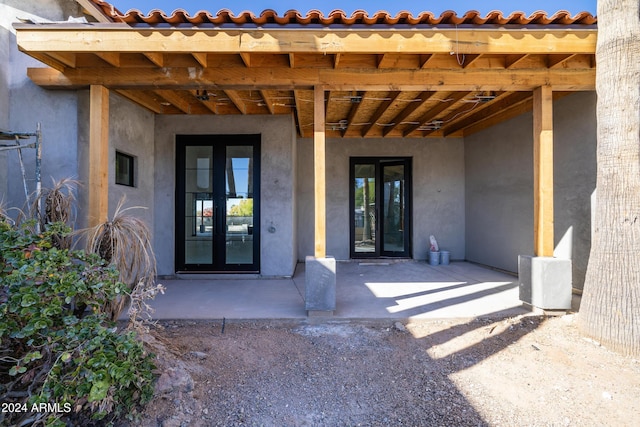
column 59, row 364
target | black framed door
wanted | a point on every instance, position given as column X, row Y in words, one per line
column 380, row 199
column 218, row 203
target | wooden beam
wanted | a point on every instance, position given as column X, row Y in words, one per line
column 469, row 59
column 432, row 114
column 511, row 60
column 319, row 173
column 50, row 61
column 201, row 58
column 143, row 99
column 336, row 60
column 424, row 60
column 554, row 61
column 68, row 59
column 111, row 58
column 564, row 79
column 175, row 99
column 95, row 11
column 246, row 58
column 268, row 101
column 298, row 113
column 421, row 99
column 237, row 100
column 468, row 41
column 507, row 113
column 156, row 58
column 353, row 111
column 98, row 155
column 384, row 105
column 494, row 108
column 543, row 171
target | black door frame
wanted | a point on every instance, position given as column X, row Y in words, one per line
column 379, row 162
column 219, row 144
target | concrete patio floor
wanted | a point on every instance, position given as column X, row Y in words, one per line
column 364, row 290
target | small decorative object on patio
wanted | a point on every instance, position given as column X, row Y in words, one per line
column 434, row 251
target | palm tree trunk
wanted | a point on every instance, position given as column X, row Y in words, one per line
column 610, row 308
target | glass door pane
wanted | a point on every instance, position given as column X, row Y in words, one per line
column 365, row 212
column 239, row 205
column 380, row 199
column 199, row 205
column 393, row 209
column 218, row 203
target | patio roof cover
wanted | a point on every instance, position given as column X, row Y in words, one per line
column 382, row 75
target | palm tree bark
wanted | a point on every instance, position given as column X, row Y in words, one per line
column 610, row 308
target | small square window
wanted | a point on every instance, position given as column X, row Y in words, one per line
column 124, row 169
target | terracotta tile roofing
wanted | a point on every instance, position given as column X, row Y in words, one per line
column 339, row 17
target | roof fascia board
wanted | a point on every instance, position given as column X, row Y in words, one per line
column 119, row 38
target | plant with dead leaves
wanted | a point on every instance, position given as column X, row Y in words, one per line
column 125, row 242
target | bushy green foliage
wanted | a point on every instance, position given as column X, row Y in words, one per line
column 74, row 361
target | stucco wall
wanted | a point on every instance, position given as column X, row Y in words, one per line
column 277, row 184
column 574, row 153
column 499, row 187
column 5, row 46
column 438, row 192
column 130, row 131
column 27, row 105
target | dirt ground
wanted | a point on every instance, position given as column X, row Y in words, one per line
column 522, row 371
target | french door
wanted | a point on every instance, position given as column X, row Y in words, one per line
column 380, row 207
column 217, row 203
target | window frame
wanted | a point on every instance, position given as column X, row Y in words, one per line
column 131, row 182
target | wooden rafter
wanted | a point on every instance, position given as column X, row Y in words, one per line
column 433, row 113
column 511, row 60
column 269, row 103
column 175, row 99
column 143, row 99
column 557, row 60
column 413, row 106
column 201, row 57
column 111, row 58
column 68, row 59
column 469, row 59
column 246, row 58
column 382, row 108
column 492, row 109
column 353, row 111
column 156, row 58
column 237, row 100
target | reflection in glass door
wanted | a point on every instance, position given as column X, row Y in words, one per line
column 364, row 211
column 380, row 208
column 393, row 207
column 217, row 209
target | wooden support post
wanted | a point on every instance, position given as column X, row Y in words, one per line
column 319, row 173
column 98, row 155
column 543, row 171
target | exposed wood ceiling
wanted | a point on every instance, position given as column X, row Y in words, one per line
column 379, row 82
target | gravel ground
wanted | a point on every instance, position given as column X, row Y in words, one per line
column 523, row 371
